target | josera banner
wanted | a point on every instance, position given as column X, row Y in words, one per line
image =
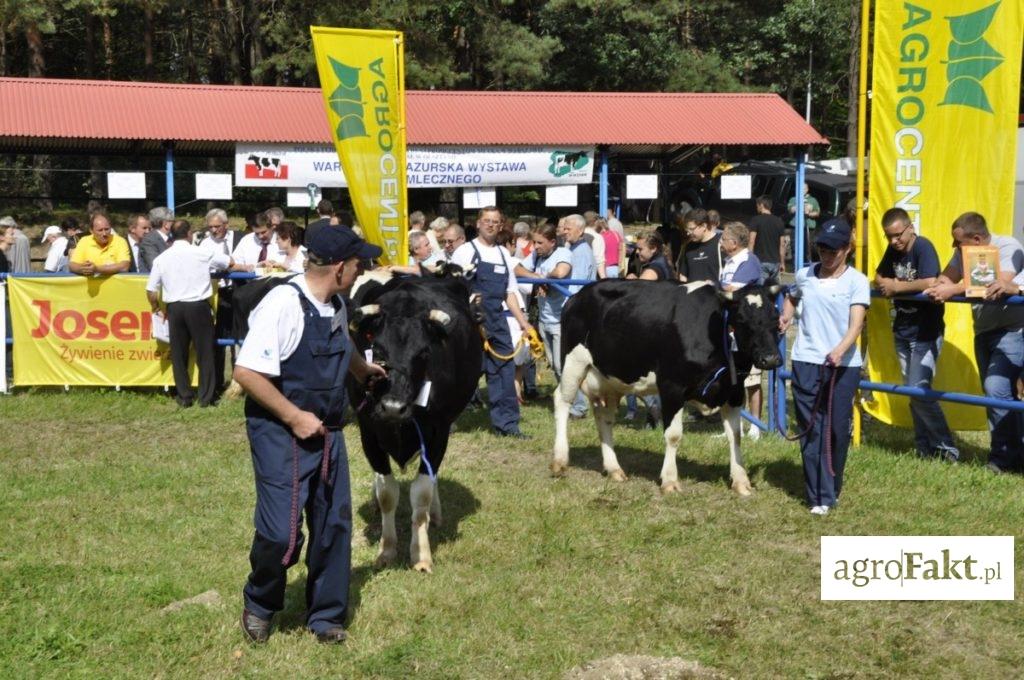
column 79, row 330
column 362, row 79
column 943, row 142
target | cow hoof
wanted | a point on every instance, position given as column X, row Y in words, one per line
column 742, row 488
column 617, row 475
column 385, row 559
column 559, row 469
column 424, row 567
column 671, row 487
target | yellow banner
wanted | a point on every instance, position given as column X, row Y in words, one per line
column 78, row 330
column 363, row 82
column 943, row 142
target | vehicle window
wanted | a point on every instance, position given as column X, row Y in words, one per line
column 827, row 199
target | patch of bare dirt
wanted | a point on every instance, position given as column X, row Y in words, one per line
column 626, row 667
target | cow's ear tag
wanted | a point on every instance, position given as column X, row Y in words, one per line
column 424, row 395
column 733, row 347
column 368, row 354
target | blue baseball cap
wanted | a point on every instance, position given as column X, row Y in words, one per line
column 834, row 234
column 331, row 245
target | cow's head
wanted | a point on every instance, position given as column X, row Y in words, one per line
column 755, row 323
column 401, row 339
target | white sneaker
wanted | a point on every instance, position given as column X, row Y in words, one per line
column 819, row 510
column 753, row 433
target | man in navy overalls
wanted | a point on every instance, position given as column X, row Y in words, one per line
column 292, row 367
column 494, row 282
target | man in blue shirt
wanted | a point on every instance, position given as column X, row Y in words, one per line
column 584, row 267
column 910, row 265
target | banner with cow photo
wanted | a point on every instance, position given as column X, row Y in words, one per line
column 78, row 330
column 362, row 79
column 298, row 165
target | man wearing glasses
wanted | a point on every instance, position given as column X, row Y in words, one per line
column 494, row 283
column 909, row 266
column 454, row 236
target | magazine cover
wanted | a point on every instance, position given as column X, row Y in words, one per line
column 981, row 267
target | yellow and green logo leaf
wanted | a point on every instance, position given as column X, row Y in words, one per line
column 347, row 101
column 971, row 58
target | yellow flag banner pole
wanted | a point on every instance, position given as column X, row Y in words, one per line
column 945, row 97
column 862, row 143
column 362, row 80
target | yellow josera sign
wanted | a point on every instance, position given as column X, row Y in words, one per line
column 943, row 142
column 363, row 83
column 79, row 330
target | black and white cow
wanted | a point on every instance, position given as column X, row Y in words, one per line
column 266, row 163
column 648, row 337
column 422, row 331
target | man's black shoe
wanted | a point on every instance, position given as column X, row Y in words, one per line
column 531, row 394
column 332, row 636
column 183, row 403
column 514, row 434
column 256, row 630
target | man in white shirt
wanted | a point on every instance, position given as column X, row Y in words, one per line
column 181, row 276
column 293, row 367
column 255, row 248
column 57, row 257
column 138, row 227
column 454, row 237
column 493, row 283
column 596, row 242
column 56, row 260
column 221, row 239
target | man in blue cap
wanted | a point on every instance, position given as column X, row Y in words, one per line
column 292, row 366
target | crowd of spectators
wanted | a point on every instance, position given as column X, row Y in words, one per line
column 587, row 247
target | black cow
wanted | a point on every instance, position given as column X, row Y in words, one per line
column 647, row 337
column 422, row 332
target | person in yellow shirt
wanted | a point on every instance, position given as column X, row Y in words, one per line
column 102, row 252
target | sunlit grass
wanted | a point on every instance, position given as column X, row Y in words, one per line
column 116, row 504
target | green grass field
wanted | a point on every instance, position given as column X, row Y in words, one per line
column 114, row 505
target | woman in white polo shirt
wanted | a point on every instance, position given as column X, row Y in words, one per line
column 835, row 299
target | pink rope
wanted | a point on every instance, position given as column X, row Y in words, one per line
column 294, row 517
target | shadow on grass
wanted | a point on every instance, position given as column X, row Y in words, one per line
column 457, row 503
column 646, row 464
column 782, row 474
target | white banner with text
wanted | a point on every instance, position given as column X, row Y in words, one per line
column 298, row 165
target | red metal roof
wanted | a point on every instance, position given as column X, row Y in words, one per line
column 90, row 109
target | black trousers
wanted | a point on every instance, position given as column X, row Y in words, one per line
column 191, row 323
column 223, row 329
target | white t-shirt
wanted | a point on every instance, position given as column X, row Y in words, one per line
column 597, row 245
column 247, row 252
column 56, row 260
column 825, row 315
column 276, row 326
column 496, row 255
column 182, row 272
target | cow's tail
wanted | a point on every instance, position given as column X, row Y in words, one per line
column 574, row 370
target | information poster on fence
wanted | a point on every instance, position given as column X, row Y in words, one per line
column 86, row 331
